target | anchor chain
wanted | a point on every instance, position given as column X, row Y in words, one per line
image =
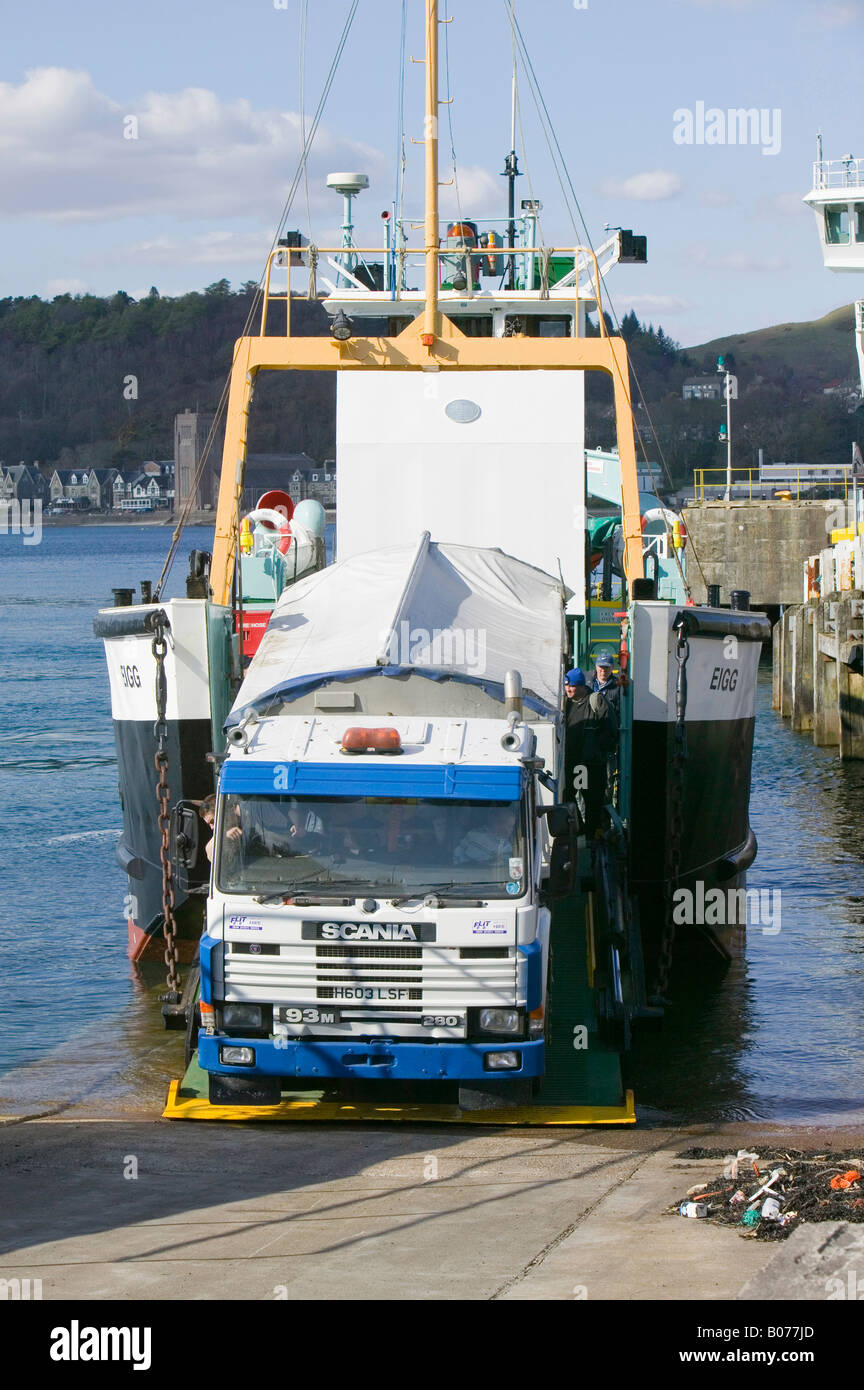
column 159, row 647
column 675, row 818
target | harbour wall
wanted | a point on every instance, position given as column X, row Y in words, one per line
column 756, row 545
column 818, row 680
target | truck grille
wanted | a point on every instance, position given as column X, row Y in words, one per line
column 436, row 979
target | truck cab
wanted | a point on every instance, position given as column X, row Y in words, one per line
column 375, row 908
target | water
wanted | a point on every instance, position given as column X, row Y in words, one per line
column 778, row 1036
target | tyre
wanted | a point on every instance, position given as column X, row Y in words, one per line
column 192, row 1025
column 497, row 1095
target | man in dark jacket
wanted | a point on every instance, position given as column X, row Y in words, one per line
column 591, row 735
column 605, row 683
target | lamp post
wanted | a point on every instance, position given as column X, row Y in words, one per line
column 730, row 391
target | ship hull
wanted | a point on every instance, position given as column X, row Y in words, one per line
column 194, row 664
column 691, row 842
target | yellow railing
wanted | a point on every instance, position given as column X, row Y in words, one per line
column 760, row 487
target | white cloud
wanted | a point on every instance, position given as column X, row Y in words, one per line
column 61, row 286
column 479, row 193
column 735, row 260
column 648, row 187
column 669, row 304
column 211, row 248
column 836, row 16
column 65, row 153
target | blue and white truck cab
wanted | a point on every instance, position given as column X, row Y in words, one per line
column 375, row 906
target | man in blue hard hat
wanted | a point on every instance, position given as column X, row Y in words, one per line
column 605, row 683
column 590, row 736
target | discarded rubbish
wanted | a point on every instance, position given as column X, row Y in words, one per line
column 694, row 1209
column 844, row 1180
column 797, row 1187
column 732, row 1162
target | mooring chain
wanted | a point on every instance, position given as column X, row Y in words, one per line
column 675, row 820
column 159, row 647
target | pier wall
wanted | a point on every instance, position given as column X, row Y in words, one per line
column 819, row 671
column 757, row 546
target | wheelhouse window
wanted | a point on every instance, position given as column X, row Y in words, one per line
column 859, row 221
column 371, row 845
column 837, row 224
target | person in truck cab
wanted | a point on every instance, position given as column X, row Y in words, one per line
column 491, row 842
column 233, row 833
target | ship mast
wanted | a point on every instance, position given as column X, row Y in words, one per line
column 430, row 314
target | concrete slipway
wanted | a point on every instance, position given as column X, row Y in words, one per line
column 263, row 1212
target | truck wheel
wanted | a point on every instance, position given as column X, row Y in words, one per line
column 192, row 1026
column 497, row 1095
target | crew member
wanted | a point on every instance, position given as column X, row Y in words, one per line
column 590, row 736
column 606, row 684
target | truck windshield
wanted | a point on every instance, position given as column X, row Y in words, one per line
column 370, row 845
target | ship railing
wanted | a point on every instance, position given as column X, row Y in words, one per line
column 583, row 281
column 755, row 484
column 838, row 173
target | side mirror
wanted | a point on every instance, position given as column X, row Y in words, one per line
column 191, row 865
column 559, row 819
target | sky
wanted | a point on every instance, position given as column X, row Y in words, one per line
column 154, row 144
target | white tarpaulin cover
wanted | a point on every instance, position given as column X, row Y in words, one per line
column 438, row 608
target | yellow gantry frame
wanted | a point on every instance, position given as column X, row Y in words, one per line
column 431, row 342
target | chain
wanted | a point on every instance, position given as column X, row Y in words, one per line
column 159, row 647
column 675, row 819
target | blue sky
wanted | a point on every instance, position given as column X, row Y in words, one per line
column 215, row 90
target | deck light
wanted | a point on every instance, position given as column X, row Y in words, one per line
column 342, row 328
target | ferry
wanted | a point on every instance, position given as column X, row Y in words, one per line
column 460, row 360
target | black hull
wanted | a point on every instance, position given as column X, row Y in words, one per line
column 190, row 776
column 716, row 842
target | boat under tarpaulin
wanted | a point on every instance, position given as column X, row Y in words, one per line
column 435, row 609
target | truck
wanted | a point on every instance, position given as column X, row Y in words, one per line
column 379, row 900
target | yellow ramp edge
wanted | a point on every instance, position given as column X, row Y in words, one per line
column 180, row 1107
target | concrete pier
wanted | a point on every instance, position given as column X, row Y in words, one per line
column 818, row 683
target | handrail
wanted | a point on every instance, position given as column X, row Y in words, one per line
column 838, row 173
column 287, row 258
column 803, row 476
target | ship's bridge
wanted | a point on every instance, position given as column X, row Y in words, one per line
column 837, row 199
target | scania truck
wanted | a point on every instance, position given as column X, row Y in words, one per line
column 381, row 844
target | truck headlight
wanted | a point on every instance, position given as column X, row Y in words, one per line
column 502, row 1061
column 242, row 1015
column 237, row 1056
column 500, row 1021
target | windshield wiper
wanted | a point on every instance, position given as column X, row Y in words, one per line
column 303, row 899
column 435, row 891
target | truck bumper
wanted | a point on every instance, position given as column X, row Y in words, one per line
column 402, row 1061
